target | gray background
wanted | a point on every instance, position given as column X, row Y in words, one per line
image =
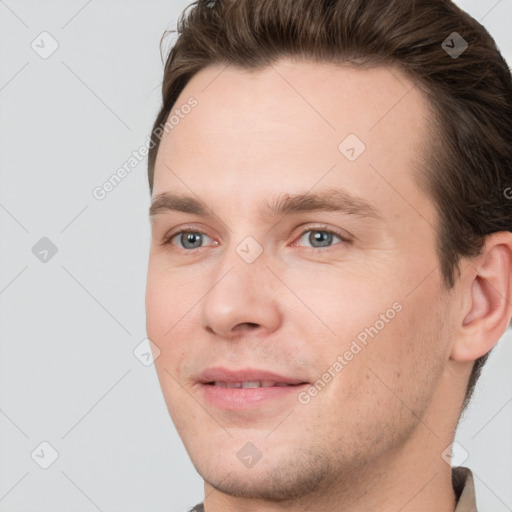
column 69, row 326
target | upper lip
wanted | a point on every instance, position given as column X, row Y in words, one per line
column 220, row 374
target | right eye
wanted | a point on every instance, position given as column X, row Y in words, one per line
column 187, row 239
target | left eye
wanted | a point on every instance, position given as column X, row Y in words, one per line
column 320, row 237
column 189, row 239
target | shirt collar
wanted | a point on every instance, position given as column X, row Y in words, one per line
column 464, row 487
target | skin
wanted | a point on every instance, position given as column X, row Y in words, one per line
column 372, row 438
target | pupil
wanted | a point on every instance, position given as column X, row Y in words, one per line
column 192, row 238
column 322, row 237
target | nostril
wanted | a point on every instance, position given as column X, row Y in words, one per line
column 246, row 326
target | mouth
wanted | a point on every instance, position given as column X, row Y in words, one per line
column 251, row 384
column 247, row 389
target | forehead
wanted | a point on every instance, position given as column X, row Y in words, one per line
column 294, row 126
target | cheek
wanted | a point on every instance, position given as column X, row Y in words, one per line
column 405, row 359
column 169, row 297
column 373, row 323
column 172, row 308
column 394, row 374
column 344, row 302
column 155, row 294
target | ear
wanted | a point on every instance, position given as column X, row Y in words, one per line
column 486, row 299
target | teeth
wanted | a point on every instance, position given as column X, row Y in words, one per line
column 250, row 384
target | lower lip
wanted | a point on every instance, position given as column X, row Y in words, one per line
column 247, row 398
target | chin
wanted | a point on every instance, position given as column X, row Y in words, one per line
column 274, row 477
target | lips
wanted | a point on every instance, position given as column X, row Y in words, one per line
column 246, row 378
column 249, row 384
column 260, row 391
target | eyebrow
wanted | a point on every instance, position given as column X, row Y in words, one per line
column 332, row 200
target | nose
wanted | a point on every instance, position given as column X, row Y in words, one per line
column 242, row 298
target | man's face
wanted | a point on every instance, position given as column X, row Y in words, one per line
column 347, row 305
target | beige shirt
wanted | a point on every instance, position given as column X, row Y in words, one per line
column 463, row 485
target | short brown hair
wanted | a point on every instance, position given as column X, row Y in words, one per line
column 469, row 164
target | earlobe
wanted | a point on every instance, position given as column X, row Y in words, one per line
column 488, row 299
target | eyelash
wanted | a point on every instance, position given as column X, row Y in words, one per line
column 322, row 229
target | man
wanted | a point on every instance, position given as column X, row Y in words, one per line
column 331, row 249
